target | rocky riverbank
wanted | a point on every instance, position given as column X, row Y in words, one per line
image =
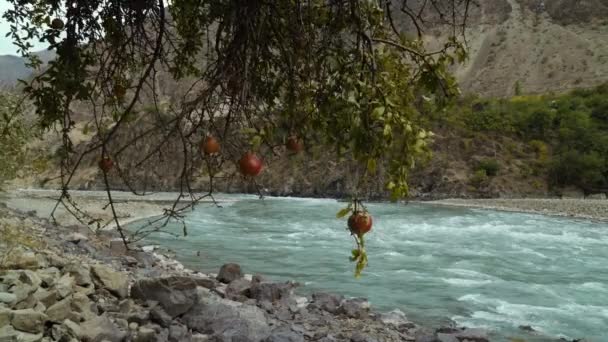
column 593, row 209
column 64, row 283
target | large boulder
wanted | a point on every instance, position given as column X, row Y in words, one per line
column 175, row 294
column 327, row 301
column 46, row 297
column 238, row 288
column 263, row 290
column 28, row 320
column 81, row 274
column 101, row 328
column 227, row 320
column 64, row 285
column 229, row 273
column 115, row 282
column 61, row 310
column 355, row 308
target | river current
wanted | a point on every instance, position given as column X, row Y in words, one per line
column 479, row 268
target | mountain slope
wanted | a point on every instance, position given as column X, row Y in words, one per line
column 544, row 48
column 13, row 68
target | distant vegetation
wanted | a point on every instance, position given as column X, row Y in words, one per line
column 568, row 133
column 12, row 137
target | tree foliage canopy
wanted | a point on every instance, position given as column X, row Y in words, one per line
column 339, row 73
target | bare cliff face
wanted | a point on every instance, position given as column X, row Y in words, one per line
column 544, row 46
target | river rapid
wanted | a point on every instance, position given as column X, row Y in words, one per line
column 479, row 268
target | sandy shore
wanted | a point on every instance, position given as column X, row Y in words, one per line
column 578, row 208
column 129, row 207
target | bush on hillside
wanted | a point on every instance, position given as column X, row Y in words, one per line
column 586, row 170
column 489, row 166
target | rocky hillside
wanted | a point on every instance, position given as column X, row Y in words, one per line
column 538, row 46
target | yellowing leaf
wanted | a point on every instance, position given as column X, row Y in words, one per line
column 343, row 212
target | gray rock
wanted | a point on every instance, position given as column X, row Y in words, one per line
column 175, row 294
column 328, row 302
column 7, row 298
column 284, row 334
column 126, row 305
column 208, row 283
column 101, row 328
column 145, row 334
column 115, row 282
column 228, row 320
column 200, row 338
column 355, row 308
column 328, row 338
column 84, row 306
column 159, row 316
column 129, row 260
column 358, row 337
column 55, row 260
column 64, row 286
column 229, row 273
column 29, row 278
column 60, row 311
column 46, row 297
column 441, row 337
column 8, row 333
column 178, row 333
column 28, row 320
column 426, row 338
column 271, row 292
column 238, row 288
column 76, row 237
column 49, row 275
column 475, row 335
column 81, row 274
column 72, row 328
column 5, row 317
column 140, row 317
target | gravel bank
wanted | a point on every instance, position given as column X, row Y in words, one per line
column 129, row 207
column 579, row 208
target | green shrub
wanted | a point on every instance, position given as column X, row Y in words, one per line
column 479, row 179
column 541, row 149
column 490, row 167
column 585, row 170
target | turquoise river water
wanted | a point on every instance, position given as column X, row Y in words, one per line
column 479, row 268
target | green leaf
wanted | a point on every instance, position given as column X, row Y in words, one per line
column 256, row 142
column 378, row 112
column 371, row 166
column 343, row 212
